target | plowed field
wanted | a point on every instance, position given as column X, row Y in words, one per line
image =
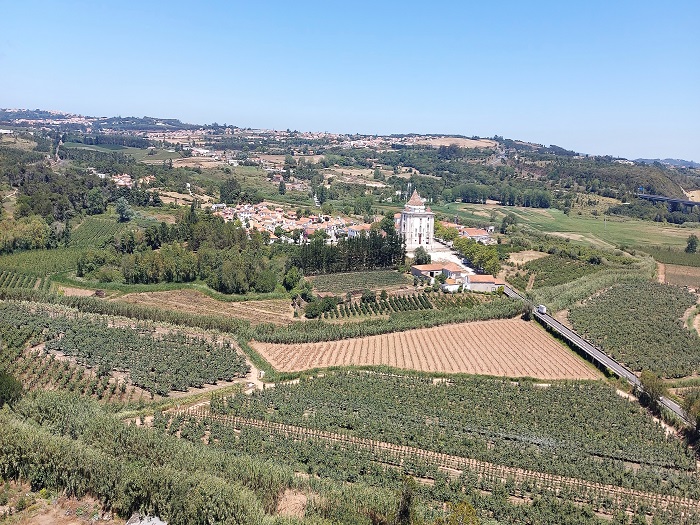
column 278, row 311
column 510, row 347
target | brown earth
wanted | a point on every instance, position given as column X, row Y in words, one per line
column 278, row 311
column 661, row 272
column 510, row 347
column 526, row 256
column 69, row 291
column 292, row 503
column 680, row 275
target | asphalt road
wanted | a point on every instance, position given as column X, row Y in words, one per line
column 596, row 354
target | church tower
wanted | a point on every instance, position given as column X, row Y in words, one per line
column 417, row 224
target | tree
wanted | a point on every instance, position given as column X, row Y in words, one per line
column 421, row 256
column 124, row 211
column 508, row 220
column 653, row 388
column 460, row 514
column 230, row 191
column 10, row 389
column 691, row 405
column 282, row 188
column 692, row 246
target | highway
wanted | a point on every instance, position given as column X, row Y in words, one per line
column 597, row 355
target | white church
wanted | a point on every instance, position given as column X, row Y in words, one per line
column 417, row 224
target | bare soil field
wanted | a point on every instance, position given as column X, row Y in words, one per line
column 461, row 142
column 278, row 311
column 69, row 291
column 681, row 275
column 510, row 348
column 526, row 256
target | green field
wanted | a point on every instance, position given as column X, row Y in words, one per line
column 602, row 232
column 358, row 281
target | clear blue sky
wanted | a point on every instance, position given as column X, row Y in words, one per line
column 602, row 77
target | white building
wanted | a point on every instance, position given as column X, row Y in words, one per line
column 417, row 224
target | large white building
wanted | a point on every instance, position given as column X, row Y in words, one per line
column 417, row 224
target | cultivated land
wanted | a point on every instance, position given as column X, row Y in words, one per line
column 358, row 281
column 511, row 348
column 278, row 311
column 609, row 233
column 682, row 275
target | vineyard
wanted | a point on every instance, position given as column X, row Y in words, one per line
column 669, row 255
column 575, row 429
column 10, row 279
column 640, row 325
column 41, row 262
column 511, row 348
column 401, row 303
column 346, row 458
column 316, row 331
column 156, row 362
column 94, row 232
column 341, row 283
column 682, row 275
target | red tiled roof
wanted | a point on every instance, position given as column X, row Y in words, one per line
column 415, row 199
column 484, row 279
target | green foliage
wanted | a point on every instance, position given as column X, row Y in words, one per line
column 581, row 429
column 653, row 388
column 421, row 256
column 692, row 245
column 10, row 389
column 640, row 325
column 668, row 255
column 357, row 281
column 554, row 270
column 124, row 211
column 230, row 191
column 157, row 363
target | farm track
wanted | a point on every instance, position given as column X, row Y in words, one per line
column 398, row 454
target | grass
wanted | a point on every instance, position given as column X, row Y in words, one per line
column 601, row 232
column 347, row 282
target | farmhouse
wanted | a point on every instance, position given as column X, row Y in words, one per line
column 416, row 224
column 483, row 283
column 455, row 275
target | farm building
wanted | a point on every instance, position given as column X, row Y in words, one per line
column 454, row 273
column 416, row 224
column 484, row 283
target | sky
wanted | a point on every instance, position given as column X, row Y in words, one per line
column 601, row 77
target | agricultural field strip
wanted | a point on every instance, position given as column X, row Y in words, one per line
column 510, row 348
column 448, row 462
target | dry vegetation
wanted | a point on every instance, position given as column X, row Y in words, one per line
column 681, row 275
column 278, row 311
column 511, row 348
column 461, row 142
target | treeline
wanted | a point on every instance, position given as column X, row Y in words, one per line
column 481, row 257
column 130, row 141
column 378, row 249
column 661, row 212
column 506, row 194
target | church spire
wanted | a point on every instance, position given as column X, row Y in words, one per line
column 415, row 199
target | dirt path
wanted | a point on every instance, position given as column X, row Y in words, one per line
column 661, row 272
column 390, row 452
column 530, row 283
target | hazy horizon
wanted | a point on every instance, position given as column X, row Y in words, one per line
column 609, row 79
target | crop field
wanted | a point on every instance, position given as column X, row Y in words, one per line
column 41, row 262
column 402, row 303
column 155, row 361
column 93, row 232
column 581, row 429
column 682, row 275
column 341, row 283
column 509, row 347
column 672, row 256
column 18, row 280
column 641, row 325
column 276, row 311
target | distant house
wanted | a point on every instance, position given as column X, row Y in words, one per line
column 429, row 271
column 484, row 283
column 356, row 230
column 451, row 286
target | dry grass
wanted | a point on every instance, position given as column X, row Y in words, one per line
column 461, row 142
column 526, row 256
column 511, row 348
column 681, row 275
column 278, row 311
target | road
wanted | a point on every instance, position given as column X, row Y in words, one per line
column 596, row 354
